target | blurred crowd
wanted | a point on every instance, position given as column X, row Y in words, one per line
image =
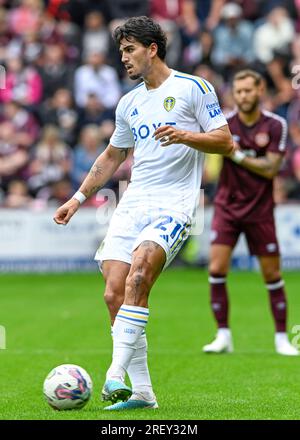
column 64, row 78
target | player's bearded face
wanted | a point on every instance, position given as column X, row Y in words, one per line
column 246, row 95
column 136, row 58
column 248, row 106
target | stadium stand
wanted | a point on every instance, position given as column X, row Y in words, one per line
column 63, row 74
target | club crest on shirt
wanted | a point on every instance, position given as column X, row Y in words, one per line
column 169, row 103
column 262, row 139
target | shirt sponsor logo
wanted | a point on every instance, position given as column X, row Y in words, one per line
column 262, row 139
column 144, row 130
column 169, row 103
column 214, row 109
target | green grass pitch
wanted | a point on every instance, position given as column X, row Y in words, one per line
column 56, row 319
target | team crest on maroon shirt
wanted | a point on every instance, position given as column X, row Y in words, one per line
column 262, row 139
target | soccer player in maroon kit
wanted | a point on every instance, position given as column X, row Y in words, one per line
column 244, row 203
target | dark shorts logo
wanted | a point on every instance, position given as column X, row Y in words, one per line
column 213, row 235
column 271, row 247
column 169, row 103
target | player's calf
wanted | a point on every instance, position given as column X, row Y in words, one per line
column 114, row 273
column 113, row 299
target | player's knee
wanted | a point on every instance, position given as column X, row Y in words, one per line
column 113, row 296
column 271, row 275
column 109, row 297
column 217, row 267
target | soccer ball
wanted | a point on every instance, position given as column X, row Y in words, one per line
column 67, row 386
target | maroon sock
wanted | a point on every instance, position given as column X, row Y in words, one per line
column 278, row 304
column 219, row 299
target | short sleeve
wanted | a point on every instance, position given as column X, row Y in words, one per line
column 278, row 136
column 207, row 108
column 122, row 137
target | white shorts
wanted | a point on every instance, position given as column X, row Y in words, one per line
column 130, row 227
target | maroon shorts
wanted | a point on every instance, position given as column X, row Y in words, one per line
column 261, row 236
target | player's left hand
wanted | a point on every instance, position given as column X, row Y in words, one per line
column 168, row 135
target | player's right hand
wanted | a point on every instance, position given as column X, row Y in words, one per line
column 66, row 211
column 235, row 147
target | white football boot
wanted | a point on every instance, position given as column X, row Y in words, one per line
column 283, row 345
column 222, row 343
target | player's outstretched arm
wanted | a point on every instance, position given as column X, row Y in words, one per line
column 102, row 170
column 218, row 141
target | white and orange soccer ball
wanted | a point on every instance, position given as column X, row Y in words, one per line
column 67, row 386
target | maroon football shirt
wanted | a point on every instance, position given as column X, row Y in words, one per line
column 241, row 193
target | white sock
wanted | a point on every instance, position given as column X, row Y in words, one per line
column 127, row 329
column 138, row 371
column 226, row 332
column 281, row 337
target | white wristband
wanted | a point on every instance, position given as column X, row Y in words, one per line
column 79, row 196
column 238, row 156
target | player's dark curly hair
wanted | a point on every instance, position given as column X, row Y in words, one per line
column 144, row 30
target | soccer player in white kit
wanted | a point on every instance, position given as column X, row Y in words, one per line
column 169, row 120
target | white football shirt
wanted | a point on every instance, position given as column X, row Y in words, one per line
column 166, row 177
